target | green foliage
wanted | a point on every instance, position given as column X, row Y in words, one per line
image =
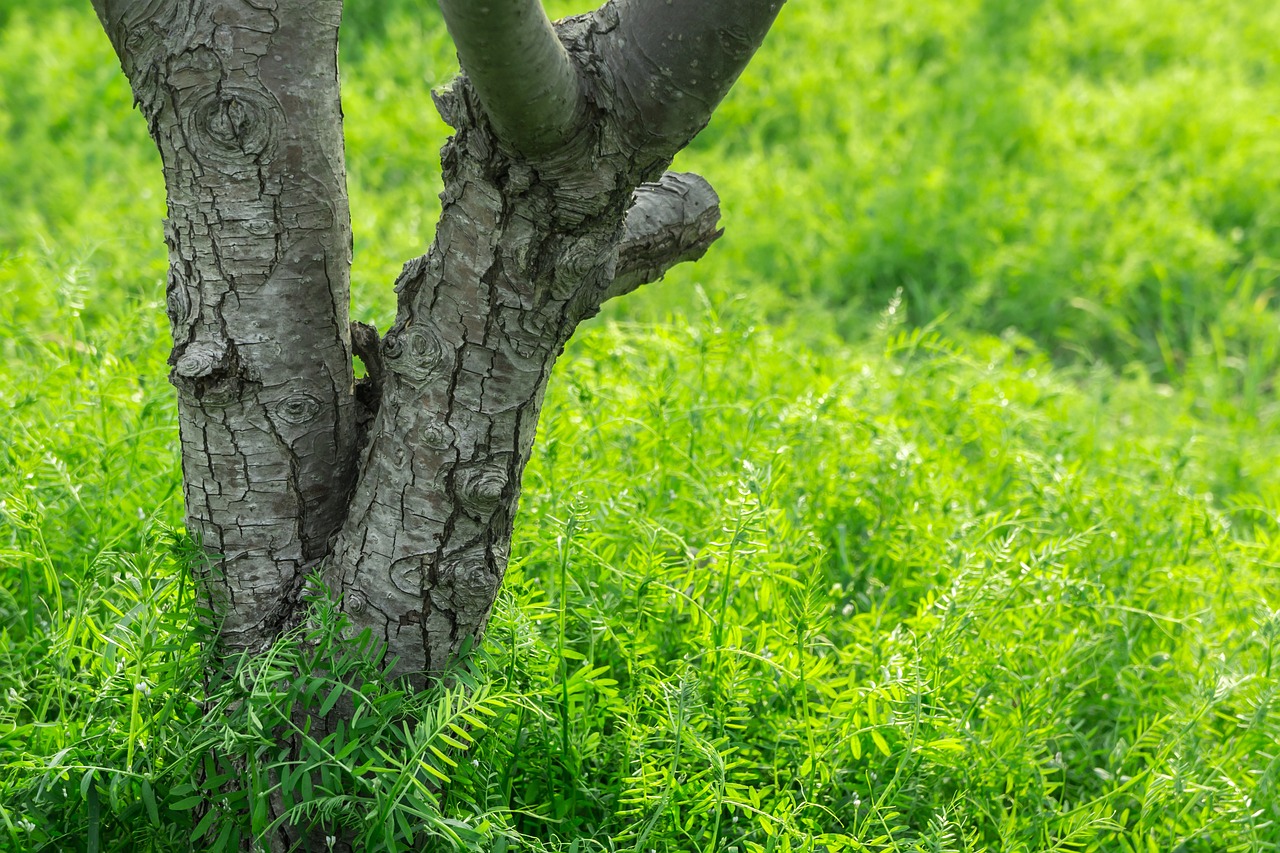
column 994, row 571
column 311, row 732
column 1099, row 176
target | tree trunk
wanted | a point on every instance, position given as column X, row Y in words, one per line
column 525, row 250
column 402, row 489
column 242, row 100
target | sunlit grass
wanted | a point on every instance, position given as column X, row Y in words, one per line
column 936, row 509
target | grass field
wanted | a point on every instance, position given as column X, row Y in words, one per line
column 937, row 509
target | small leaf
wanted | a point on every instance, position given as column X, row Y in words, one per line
column 473, row 721
column 434, row 772
column 331, row 700
column 347, row 748
column 224, row 838
column 440, row 755
column 453, row 742
column 149, row 800
column 205, row 823
column 946, row 744
column 404, row 826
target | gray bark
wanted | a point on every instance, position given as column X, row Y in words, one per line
column 242, row 101
column 675, row 61
column 519, row 69
column 403, row 489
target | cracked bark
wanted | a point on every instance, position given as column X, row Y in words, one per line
column 404, row 487
column 242, row 101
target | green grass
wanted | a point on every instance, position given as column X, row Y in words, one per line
column 935, row 510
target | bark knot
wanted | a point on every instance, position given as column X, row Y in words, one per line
column 229, row 126
column 415, row 353
column 202, row 359
column 481, row 487
column 298, row 408
column 208, row 372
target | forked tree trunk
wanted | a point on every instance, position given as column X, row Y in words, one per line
column 403, row 490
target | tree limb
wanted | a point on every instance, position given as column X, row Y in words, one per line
column 675, row 60
column 670, row 222
column 520, row 70
column 365, row 345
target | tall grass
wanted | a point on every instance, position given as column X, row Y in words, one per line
column 935, row 510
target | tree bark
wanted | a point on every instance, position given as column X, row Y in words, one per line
column 527, row 247
column 242, row 101
column 555, row 200
column 675, row 60
column 523, row 76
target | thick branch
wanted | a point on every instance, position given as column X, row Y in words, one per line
column 519, row 68
column 675, row 60
column 522, row 254
column 670, row 222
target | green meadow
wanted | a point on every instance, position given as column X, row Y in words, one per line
column 936, row 509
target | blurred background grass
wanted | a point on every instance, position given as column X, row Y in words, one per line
column 1100, row 177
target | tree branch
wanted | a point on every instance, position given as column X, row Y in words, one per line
column 520, row 70
column 675, row 60
column 670, row 222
